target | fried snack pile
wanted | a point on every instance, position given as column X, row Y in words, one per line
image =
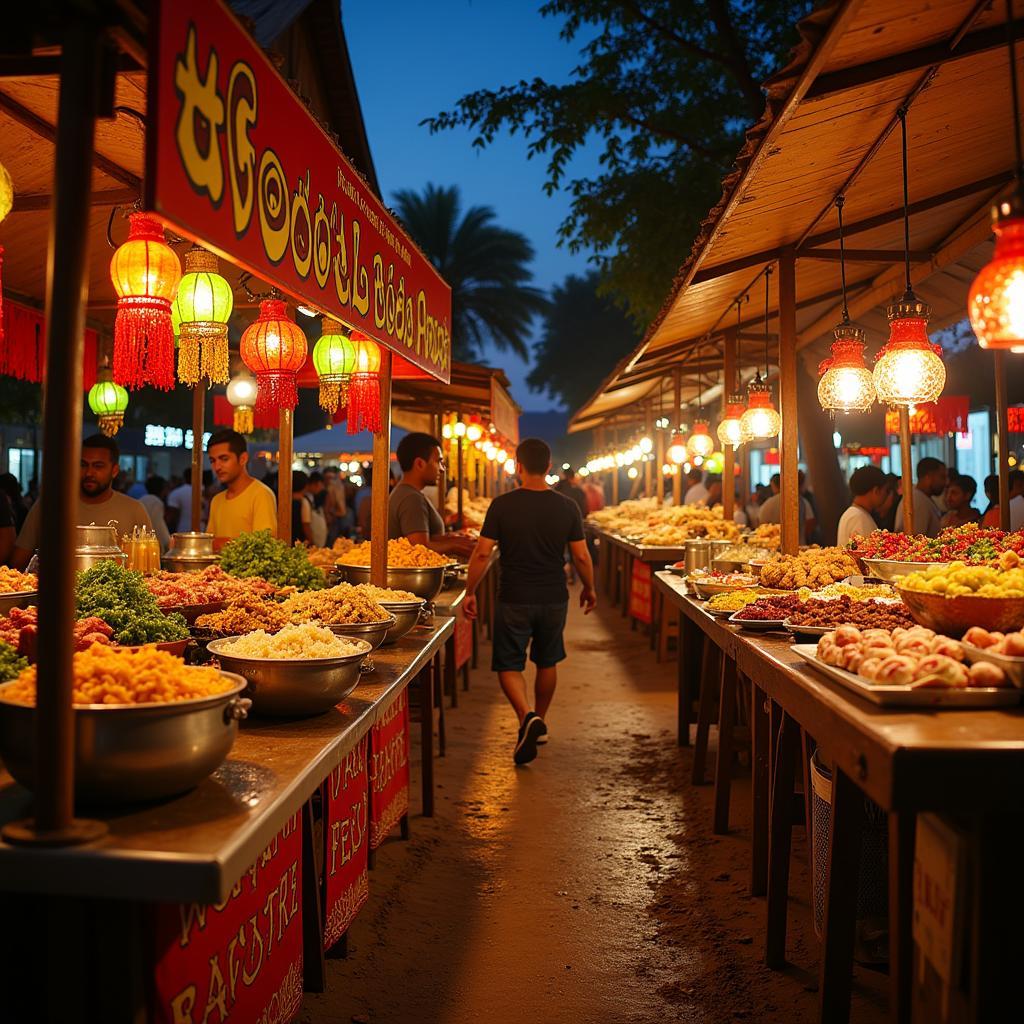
column 14, row 582
column 767, row 535
column 865, row 592
column 294, row 643
column 213, row 584
column 108, row 675
column 340, row 605
column 958, row 579
column 658, row 526
column 385, row 595
column 401, row 555
column 244, row 615
column 915, row 657
column 816, row 567
column 731, row 601
column 844, row 611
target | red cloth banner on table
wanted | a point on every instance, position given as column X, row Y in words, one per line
column 224, row 415
column 640, row 592
column 463, row 641
column 346, row 843
column 1015, row 414
column 23, row 349
column 239, row 961
column 389, row 769
column 946, row 416
column 237, row 162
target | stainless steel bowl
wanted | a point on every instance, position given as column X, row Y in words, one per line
column 372, row 632
column 424, row 582
column 299, row 686
column 96, row 536
column 131, row 752
column 891, row 569
column 180, row 563
column 192, row 545
column 19, row 600
column 86, row 558
column 406, row 613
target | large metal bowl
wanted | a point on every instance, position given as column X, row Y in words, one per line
column 890, row 569
column 21, row 599
column 298, row 686
column 372, row 632
column 185, row 563
column 406, row 614
column 132, row 752
column 425, row 582
column 192, row 545
column 955, row 615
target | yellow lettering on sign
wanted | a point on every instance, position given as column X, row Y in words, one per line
column 241, row 152
column 272, row 200
column 361, row 283
column 200, row 119
column 301, row 229
column 217, row 997
column 181, row 1005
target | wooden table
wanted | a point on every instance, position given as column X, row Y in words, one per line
column 963, row 763
column 196, row 846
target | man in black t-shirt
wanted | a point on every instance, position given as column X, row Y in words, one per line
column 531, row 527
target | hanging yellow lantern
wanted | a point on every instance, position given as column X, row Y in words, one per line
column 241, row 394
column 200, row 317
column 761, row 420
column 700, row 443
column 334, row 359
column 108, row 402
column 730, row 430
column 909, row 370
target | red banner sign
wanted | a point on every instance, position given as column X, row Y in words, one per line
column 640, row 591
column 346, row 843
column 946, row 416
column 239, row 961
column 235, row 161
column 463, row 641
column 389, row 769
column 504, row 413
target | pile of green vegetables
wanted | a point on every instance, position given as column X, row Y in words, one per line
column 260, row 554
column 119, row 597
column 11, row 663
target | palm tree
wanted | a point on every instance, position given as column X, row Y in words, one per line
column 486, row 265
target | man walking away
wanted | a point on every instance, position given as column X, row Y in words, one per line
column 531, row 526
column 569, row 487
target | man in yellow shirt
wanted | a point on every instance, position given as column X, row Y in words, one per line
column 246, row 505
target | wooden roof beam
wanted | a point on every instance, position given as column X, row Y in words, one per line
column 982, row 41
column 13, row 109
column 33, row 202
column 865, row 255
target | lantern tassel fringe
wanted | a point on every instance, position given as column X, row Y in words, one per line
column 330, row 395
column 364, row 403
column 276, row 391
column 215, row 358
column 143, row 347
column 110, row 425
column 188, row 360
column 244, row 421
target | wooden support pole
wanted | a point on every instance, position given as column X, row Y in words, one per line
column 677, row 414
column 67, row 278
column 198, row 426
column 442, row 476
column 1002, row 439
column 790, row 492
column 380, row 489
column 908, row 474
column 648, row 430
column 460, row 479
column 659, row 462
column 729, row 456
column 285, row 438
column 615, row 484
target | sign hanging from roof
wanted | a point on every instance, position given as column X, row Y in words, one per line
column 504, row 412
column 235, row 161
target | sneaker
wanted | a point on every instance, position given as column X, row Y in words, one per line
column 542, row 737
column 526, row 747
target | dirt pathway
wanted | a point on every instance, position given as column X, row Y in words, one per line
column 586, row 887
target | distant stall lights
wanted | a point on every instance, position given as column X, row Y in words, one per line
column 510, row 466
column 677, row 449
column 632, row 472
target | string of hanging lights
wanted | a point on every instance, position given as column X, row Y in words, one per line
column 761, row 420
column 846, row 383
column 700, row 443
column 730, row 430
column 909, row 369
column 995, row 303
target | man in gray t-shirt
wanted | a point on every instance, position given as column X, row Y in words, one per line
column 410, row 515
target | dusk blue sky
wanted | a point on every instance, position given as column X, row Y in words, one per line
column 414, row 59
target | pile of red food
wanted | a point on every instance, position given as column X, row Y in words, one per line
column 969, row 543
column 20, row 629
column 211, row 586
column 770, row 608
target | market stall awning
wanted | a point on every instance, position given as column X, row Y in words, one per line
column 829, row 129
column 336, row 444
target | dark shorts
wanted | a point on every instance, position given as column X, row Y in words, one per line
column 516, row 625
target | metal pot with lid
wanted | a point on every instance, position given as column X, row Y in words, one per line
column 697, row 554
column 190, row 552
column 97, row 543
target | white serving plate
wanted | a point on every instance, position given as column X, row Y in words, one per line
column 807, row 630
column 906, row 696
column 757, row 625
column 1013, row 667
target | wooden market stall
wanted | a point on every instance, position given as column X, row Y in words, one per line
column 177, row 111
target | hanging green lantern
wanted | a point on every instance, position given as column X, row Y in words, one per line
column 200, row 317
column 335, row 358
column 108, row 402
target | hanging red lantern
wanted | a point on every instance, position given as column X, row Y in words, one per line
column 145, row 272
column 364, row 390
column 274, row 348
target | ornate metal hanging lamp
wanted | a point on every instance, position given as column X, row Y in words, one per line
column 761, row 421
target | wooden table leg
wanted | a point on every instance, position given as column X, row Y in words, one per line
column 759, row 792
column 691, row 640
column 627, row 576
column 836, row 970
column 723, row 762
column 442, row 738
column 780, row 835
column 450, row 683
column 314, row 970
column 427, row 688
column 710, row 668
column 902, row 831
